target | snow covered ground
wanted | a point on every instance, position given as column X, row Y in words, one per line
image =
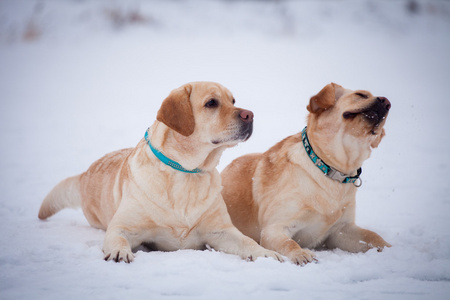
column 79, row 79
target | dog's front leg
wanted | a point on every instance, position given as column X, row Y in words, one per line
column 116, row 245
column 231, row 240
column 355, row 239
column 276, row 238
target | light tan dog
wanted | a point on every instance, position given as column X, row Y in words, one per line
column 166, row 191
column 283, row 199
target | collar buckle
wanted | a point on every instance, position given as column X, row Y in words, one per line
column 336, row 175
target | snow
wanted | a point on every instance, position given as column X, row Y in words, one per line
column 79, row 79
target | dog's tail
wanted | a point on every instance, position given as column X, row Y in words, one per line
column 64, row 194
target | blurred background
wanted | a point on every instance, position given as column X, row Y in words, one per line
column 78, row 60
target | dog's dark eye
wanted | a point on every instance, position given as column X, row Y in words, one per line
column 362, row 95
column 234, row 101
column 212, row 103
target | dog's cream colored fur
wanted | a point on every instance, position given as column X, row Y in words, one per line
column 282, row 200
column 137, row 199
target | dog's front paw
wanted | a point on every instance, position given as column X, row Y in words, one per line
column 301, row 256
column 265, row 253
column 376, row 242
column 119, row 255
column 381, row 246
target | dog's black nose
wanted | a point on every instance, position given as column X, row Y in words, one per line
column 246, row 116
column 384, row 102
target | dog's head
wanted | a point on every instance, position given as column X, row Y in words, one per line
column 357, row 113
column 206, row 112
column 344, row 125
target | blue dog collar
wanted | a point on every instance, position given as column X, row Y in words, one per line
column 168, row 161
column 329, row 171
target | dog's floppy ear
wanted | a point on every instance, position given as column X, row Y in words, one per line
column 176, row 111
column 325, row 98
column 377, row 141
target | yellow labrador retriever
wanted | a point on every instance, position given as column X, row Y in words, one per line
column 301, row 192
column 166, row 191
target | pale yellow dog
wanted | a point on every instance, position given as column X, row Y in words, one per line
column 301, row 192
column 166, row 191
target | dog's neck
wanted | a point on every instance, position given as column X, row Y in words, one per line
column 342, row 152
column 187, row 151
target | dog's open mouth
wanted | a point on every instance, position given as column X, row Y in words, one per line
column 374, row 114
column 371, row 115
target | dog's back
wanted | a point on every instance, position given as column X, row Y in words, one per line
column 89, row 190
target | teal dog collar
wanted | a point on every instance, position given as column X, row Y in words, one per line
column 168, row 161
column 329, row 171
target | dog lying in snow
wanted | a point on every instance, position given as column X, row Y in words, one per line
column 166, row 191
column 283, row 200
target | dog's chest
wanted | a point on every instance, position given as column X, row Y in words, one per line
column 317, row 221
column 178, row 229
column 177, row 237
column 180, row 215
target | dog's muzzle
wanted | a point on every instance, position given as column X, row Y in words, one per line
column 242, row 130
column 246, row 129
column 377, row 112
column 374, row 113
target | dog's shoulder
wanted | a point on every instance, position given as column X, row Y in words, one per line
column 279, row 159
column 283, row 152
